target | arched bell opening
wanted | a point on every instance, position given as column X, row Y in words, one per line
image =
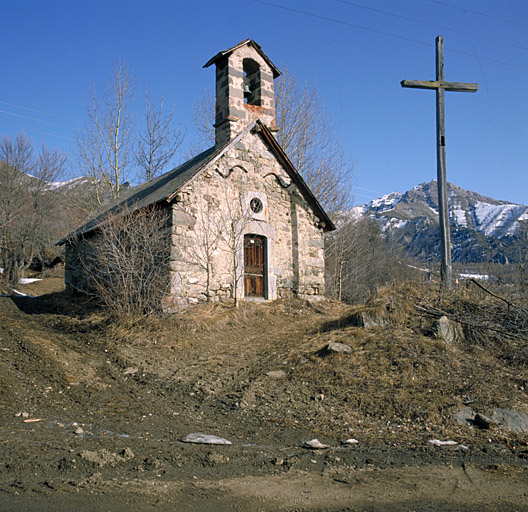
column 251, row 84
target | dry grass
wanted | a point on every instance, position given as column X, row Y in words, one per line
column 217, row 320
column 399, row 380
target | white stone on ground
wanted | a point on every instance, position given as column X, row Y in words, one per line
column 314, row 444
column 200, row 438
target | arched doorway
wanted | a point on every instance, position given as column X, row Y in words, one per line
column 255, row 266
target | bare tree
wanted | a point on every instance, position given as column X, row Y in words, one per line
column 203, row 120
column 158, row 144
column 231, row 228
column 306, row 133
column 358, row 260
column 127, row 262
column 104, row 147
column 230, row 222
column 25, row 202
column 206, row 241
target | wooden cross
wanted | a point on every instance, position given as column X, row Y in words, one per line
column 440, row 86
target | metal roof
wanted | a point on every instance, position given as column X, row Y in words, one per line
column 148, row 193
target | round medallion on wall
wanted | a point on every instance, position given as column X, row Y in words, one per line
column 256, row 205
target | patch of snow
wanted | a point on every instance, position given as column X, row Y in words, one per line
column 398, row 223
column 393, row 223
column 20, row 294
column 28, row 280
column 434, row 210
column 437, row 442
column 492, row 217
column 481, row 277
column 53, row 185
column 386, row 202
column 345, row 217
column 459, row 216
column 420, row 269
column 356, row 212
column 421, row 186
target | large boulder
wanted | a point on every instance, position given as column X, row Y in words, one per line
column 447, row 330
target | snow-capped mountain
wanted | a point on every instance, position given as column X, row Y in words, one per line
column 482, row 228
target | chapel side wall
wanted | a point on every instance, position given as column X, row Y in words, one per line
column 311, row 254
column 80, row 262
column 77, row 264
column 295, row 242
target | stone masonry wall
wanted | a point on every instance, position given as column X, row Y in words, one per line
column 79, row 258
column 206, row 266
column 77, row 274
column 232, row 113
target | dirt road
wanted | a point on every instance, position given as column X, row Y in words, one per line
column 93, row 414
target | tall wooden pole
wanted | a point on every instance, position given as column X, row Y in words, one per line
column 443, row 210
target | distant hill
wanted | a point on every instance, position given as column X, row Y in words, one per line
column 483, row 229
column 83, row 181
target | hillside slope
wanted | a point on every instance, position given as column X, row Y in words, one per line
column 259, row 376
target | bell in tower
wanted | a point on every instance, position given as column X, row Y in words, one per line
column 244, row 89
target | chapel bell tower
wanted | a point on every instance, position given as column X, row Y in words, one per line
column 244, row 89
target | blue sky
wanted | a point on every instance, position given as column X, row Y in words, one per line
column 356, row 51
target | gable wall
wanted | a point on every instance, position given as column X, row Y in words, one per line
column 221, row 195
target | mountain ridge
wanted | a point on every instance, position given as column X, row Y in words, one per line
column 482, row 228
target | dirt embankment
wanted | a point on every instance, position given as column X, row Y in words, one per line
column 94, row 412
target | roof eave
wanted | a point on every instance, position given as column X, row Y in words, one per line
column 327, row 224
column 249, row 42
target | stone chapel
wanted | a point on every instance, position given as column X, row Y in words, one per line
column 242, row 220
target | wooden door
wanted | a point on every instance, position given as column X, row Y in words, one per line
column 254, row 265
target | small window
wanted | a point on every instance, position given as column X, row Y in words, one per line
column 256, row 205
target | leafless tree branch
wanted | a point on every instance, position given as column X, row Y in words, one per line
column 158, row 144
column 104, row 147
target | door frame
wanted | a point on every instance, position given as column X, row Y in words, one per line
column 255, row 227
column 264, row 266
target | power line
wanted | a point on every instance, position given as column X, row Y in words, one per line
column 38, row 120
column 50, row 134
column 341, row 22
column 40, row 112
column 368, row 29
column 368, row 190
column 478, row 13
column 443, row 27
column 489, row 59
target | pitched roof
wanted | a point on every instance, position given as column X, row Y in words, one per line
column 249, row 42
column 147, row 193
column 327, row 223
column 167, row 185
